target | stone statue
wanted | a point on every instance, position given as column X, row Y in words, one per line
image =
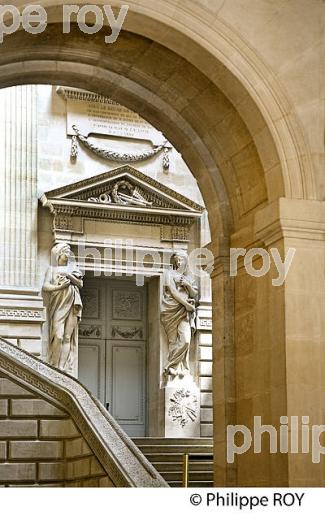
column 63, row 281
column 178, row 314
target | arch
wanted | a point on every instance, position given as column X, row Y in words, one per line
column 222, row 55
column 219, row 106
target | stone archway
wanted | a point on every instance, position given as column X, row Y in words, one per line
column 241, row 164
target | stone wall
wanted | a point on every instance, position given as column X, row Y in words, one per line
column 55, row 167
column 40, row 166
column 40, row 445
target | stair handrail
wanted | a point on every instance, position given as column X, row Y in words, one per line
column 120, row 457
column 187, row 457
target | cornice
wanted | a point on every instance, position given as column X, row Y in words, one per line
column 83, row 95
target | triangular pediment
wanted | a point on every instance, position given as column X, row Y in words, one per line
column 124, row 187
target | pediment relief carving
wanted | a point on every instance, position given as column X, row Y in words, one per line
column 123, row 195
column 124, row 186
column 122, row 192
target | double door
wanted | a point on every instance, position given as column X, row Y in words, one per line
column 112, row 349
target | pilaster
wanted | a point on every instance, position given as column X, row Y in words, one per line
column 21, row 309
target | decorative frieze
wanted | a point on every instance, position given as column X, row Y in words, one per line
column 175, row 233
column 62, row 221
column 21, row 314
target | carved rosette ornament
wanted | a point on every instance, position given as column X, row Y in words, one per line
column 183, row 407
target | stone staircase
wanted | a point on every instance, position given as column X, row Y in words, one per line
column 166, row 455
column 53, row 432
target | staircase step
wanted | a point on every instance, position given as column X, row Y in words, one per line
column 171, row 457
column 198, row 484
column 166, row 455
column 195, row 441
column 178, row 466
column 195, row 476
column 175, row 449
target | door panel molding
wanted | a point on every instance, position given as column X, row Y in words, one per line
column 128, row 383
column 121, row 360
column 92, row 366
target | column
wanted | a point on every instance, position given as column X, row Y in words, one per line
column 21, row 309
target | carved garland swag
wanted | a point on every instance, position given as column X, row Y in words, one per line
column 116, row 156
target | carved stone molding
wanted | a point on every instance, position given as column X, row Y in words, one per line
column 90, row 331
column 175, row 233
column 117, row 156
column 204, row 323
column 122, row 460
column 122, row 195
column 127, row 332
column 21, row 314
column 84, row 189
column 107, row 214
column 83, row 95
column 127, row 305
column 62, row 221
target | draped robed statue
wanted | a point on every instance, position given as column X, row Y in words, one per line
column 62, row 284
column 178, row 314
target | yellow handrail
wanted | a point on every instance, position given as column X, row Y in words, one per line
column 185, row 469
column 186, row 463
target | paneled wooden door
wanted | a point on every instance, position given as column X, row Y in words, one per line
column 112, row 349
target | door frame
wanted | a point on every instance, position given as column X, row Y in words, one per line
column 105, row 371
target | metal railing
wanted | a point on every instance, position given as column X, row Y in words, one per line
column 191, row 457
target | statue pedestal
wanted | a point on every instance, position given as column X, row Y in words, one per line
column 182, row 408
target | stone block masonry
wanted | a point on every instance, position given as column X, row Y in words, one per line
column 40, row 445
column 204, row 326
